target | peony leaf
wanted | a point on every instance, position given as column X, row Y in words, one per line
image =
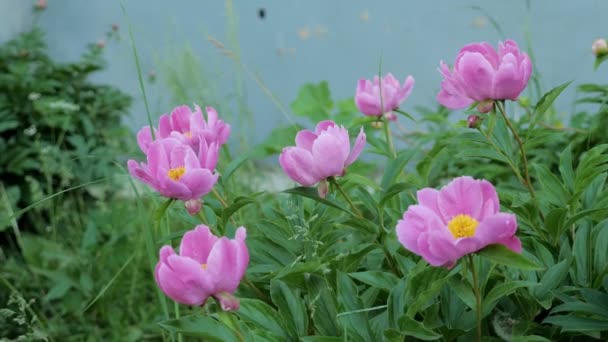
column 502, row 255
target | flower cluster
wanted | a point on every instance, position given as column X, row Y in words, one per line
column 181, row 154
column 461, row 218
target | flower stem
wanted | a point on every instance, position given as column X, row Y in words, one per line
column 528, row 183
column 389, row 137
column 477, row 295
column 150, row 244
column 350, row 202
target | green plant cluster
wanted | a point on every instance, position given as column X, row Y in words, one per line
column 57, row 128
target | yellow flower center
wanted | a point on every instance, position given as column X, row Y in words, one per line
column 204, row 266
column 176, row 173
column 188, row 134
column 462, row 226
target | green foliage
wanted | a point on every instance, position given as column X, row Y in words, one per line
column 56, row 127
column 321, row 268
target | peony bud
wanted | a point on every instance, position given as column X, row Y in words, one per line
column 485, row 106
column 40, row 5
column 323, row 188
column 101, row 43
column 474, row 121
column 193, row 206
column 115, row 27
column 599, row 47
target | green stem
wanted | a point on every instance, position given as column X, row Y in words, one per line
column 389, row 137
column 477, row 295
column 228, row 319
column 255, row 289
column 150, row 244
column 504, row 155
column 350, row 202
column 528, row 182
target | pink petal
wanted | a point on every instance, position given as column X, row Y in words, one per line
column 406, row 90
column 368, row 104
column 477, row 75
column 323, row 125
column 461, row 196
column 328, row 155
column 184, row 280
column 144, row 138
column 305, row 139
column 140, row 173
column 490, row 205
column 357, row 148
column 416, row 220
column 180, row 119
column 197, row 121
column 427, row 197
column 298, row 165
column 197, row 243
column 484, row 49
column 508, row 83
column 227, row 263
column 199, row 182
column 164, row 126
column 496, row 229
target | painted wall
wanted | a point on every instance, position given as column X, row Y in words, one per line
column 314, row 40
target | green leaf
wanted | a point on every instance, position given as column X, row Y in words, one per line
column 409, row 327
column 599, row 60
column 260, row 314
column 396, row 303
column 552, row 187
column 554, row 222
column 313, row 101
column 321, row 339
column 395, row 167
column 313, row 194
column 323, row 303
column 393, row 190
column 355, row 323
column 550, row 280
column 577, row 324
column 500, row 291
column 291, row 307
column 237, row 163
column 200, row 326
column 234, row 207
column 379, row 279
column 545, row 103
column 502, row 255
column 565, row 167
column 581, row 250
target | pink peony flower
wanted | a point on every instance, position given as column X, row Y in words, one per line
column 187, row 126
column 367, row 96
column 205, row 266
column 176, row 171
column 461, row 218
column 320, row 154
column 480, row 73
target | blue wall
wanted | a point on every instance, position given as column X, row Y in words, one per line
column 314, row 40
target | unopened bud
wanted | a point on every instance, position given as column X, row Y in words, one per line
column 599, row 47
column 485, row 106
column 323, row 188
column 152, row 76
column 101, row 43
column 524, row 101
column 40, row 5
column 115, row 27
column 377, row 124
column 390, row 116
column 193, row 206
column 474, row 121
column 228, row 302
